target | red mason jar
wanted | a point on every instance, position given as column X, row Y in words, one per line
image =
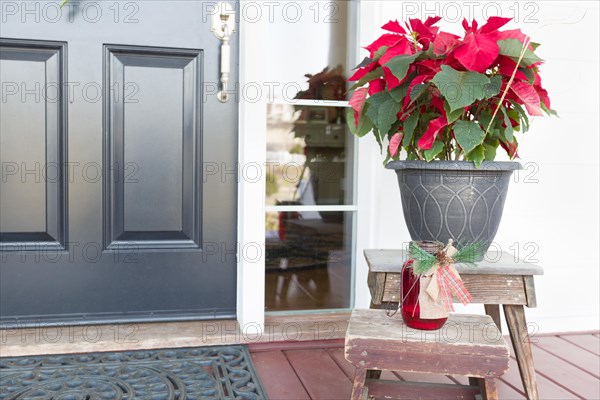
column 410, row 291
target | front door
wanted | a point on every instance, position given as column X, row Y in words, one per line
column 118, row 189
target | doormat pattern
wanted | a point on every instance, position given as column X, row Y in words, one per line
column 218, row 372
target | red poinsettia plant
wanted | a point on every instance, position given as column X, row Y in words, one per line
column 441, row 96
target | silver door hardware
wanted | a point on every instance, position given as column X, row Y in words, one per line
column 223, row 26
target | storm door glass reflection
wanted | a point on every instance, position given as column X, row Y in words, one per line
column 308, row 261
column 307, row 156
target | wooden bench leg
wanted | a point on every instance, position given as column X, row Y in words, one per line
column 517, row 327
column 487, row 388
column 493, row 310
column 375, row 373
column 359, row 383
column 490, row 392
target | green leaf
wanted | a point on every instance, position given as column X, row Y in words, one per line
column 424, row 120
column 548, row 111
column 399, row 92
column 410, row 123
column 380, row 52
column 512, row 48
column 535, row 45
column 364, row 125
column 484, row 118
column 434, row 151
column 493, row 88
column 490, row 150
column 528, row 72
column 63, row 2
column 514, row 114
column 376, row 73
column 383, row 110
column 460, row 89
column 522, row 114
column 387, row 115
column 367, row 60
column 388, row 158
column 374, row 102
column 428, row 54
column 417, row 91
column 452, row 116
column 399, row 65
column 508, row 131
column 395, row 127
column 477, row 155
column 364, row 63
column 468, row 134
column 378, row 138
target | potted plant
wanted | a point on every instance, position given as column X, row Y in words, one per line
column 449, row 102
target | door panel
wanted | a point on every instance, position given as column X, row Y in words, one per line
column 153, row 171
column 108, row 214
column 32, row 140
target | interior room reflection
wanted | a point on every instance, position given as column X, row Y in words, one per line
column 308, row 252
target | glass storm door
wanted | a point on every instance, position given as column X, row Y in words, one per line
column 118, row 186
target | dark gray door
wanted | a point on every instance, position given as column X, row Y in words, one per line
column 118, row 190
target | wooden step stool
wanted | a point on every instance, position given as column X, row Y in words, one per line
column 468, row 345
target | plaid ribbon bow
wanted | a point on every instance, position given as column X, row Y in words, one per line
column 449, row 281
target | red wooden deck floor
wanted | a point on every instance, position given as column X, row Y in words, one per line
column 567, row 366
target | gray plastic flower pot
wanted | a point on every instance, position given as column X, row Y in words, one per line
column 445, row 200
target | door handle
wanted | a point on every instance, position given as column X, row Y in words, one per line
column 223, row 26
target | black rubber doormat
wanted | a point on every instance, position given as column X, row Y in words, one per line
column 220, row 372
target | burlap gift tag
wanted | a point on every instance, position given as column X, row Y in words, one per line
column 431, row 306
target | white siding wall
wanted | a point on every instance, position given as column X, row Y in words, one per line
column 558, row 211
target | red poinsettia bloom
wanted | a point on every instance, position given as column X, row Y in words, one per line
column 479, row 48
column 438, row 95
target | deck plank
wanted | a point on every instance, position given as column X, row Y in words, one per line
column 548, row 390
column 323, row 373
column 505, row 391
column 338, row 356
column 566, row 375
column 586, row 341
column 278, row 377
column 320, row 374
column 575, row 355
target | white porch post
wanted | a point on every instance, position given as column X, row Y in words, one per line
column 369, row 170
column 251, row 188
